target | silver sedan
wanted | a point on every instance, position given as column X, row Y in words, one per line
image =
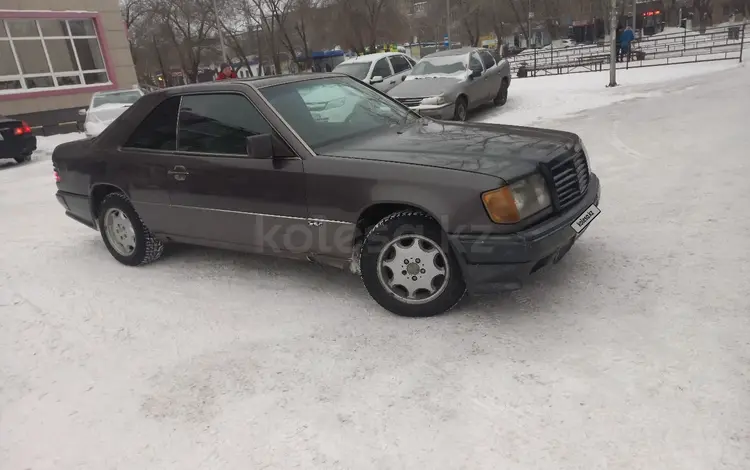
column 447, row 84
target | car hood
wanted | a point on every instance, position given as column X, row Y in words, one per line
column 414, row 87
column 506, row 152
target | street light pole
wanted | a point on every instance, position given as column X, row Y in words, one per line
column 224, row 55
column 612, row 44
column 528, row 25
column 447, row 22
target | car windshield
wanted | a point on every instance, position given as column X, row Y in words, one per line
column 357, row 70
column 120, row 97
column 332, row 110
column 441, row 65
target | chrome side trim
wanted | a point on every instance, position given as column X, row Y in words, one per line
column 259, row 214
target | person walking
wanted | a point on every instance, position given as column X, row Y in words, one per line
column 226, row 72
column 618, row 39
column 627, row 37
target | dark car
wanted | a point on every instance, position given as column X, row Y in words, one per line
column 422, row 209
column 16, row 140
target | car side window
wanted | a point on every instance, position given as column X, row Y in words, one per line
column 158, row 131
column 382, row 69
column 399, row 63
column 475, row 62
column 412, row 62
column 487, row 59
column 218, row 123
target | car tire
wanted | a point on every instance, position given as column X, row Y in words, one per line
column 502, row 94
column 127, row 238
column 430, row 268
column 461, row 109
column 23, row 158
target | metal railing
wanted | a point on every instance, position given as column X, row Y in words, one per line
column 719, row 43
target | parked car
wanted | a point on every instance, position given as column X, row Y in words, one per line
column 448, row 84
column 105, row 107
column 421, row 209
column 383, row 70
column 17, row 142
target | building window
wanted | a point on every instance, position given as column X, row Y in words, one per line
column 48, row 53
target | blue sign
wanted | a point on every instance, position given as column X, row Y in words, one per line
column 445, row 40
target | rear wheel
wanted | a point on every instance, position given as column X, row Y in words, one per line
column 23, row 158
column 408, row 267
column 127, row 238
column 461, row 110
column 502, row 94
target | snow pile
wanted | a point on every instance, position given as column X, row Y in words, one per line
column 46, row 144
column 533, row 99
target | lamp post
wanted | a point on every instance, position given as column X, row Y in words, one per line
column 221, row 35
column 612, row 44
column 447, row 22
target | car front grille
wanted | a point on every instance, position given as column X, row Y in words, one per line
column 570, row 180
column 410, row 102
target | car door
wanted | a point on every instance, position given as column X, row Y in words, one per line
column 401, row 68
column 477, row 89
column 141, row 164
column 382, row 68
column 492, row 74
column 221, row 195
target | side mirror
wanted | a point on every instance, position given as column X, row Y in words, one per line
column 403, row 77
column 82, row 112
column 376, row 79
column 260, row 146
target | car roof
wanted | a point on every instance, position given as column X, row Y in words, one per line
column 255, row 82
column 112, row 92
column 371, row 57
column 453, row 52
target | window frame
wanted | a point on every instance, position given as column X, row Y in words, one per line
column 176, row 152
column 402, row 57
column 57, row 88
column 375, row 63
column 484, row 52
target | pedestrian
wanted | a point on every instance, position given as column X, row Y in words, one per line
column 618, row 38
column 226, row 72
column 627, row 37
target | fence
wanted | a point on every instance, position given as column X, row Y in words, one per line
column 719, row 43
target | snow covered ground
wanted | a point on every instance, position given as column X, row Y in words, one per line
column 632, row 353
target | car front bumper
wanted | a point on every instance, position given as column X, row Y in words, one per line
column 493, row 263
column 443, row 111
column 15, row 147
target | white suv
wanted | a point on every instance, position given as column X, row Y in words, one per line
column 383, row 70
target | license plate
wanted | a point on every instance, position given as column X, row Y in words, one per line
column 585, row 219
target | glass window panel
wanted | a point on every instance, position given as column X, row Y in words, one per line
column 93, row 78
column 31, row 55
column 10, row 84
column 39, row 82
column 89, row 54
column 7, row 61
column 22, row 28
column 67, row 81
column 3, row 34
column 61, row 55
column 159, row 130
column 53, row 28
column 82, row 27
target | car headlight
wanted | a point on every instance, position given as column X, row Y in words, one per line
column 434, row 100
column 517, row 201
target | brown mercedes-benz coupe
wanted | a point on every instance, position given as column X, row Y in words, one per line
column 325, row 168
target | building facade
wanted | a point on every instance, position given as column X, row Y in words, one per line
column 53, row 59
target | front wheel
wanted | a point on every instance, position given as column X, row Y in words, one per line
column 408, row 266
column 127, row 238
column 461, row 110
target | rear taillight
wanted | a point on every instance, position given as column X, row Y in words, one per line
column 57, row 177
column 24, row 129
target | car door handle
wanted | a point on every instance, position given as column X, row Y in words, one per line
column 179, row 173
column 393, row 82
